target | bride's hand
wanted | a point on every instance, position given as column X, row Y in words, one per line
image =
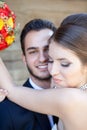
column 3, row 94
column 5, row 78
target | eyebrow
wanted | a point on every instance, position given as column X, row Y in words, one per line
column 32, row 48
column 60, row 59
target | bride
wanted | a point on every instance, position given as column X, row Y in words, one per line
column 68, row 67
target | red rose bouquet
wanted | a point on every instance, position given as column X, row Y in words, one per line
column 7, row 26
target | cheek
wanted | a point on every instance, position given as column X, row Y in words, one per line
column 31, row 58
column 29, row 61
column 73, row 70
column 73, row 75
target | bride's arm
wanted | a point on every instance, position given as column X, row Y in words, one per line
column 49, row 101
column 42, row 101
column 36, row 100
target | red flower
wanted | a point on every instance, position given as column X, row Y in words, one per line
column 7, row 26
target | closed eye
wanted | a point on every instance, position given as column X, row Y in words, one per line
column 65, row 64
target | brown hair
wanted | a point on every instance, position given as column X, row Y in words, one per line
column 35, row 25
column 79, row 19
column 73, row 37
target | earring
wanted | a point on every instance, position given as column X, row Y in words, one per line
column 84, row 87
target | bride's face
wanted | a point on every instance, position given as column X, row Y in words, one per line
column 65, row 67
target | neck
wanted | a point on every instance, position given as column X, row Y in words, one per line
column 42, row 83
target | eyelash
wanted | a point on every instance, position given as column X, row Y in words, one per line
column 63, row 65
column 66, row 65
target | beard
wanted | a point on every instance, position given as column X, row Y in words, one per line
column 38, row 77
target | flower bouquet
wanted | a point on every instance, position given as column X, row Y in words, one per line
column 7, row 26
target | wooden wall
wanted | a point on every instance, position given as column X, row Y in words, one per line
column 25, row 10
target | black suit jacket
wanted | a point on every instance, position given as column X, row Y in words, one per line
column 14, row 117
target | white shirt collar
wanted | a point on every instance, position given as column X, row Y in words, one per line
column 34, row 85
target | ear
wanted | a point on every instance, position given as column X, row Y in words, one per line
column 24, row 59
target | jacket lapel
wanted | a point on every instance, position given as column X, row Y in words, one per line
column 43, row 121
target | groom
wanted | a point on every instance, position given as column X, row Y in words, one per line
column 34, row 43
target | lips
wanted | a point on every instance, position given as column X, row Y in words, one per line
column 57, row 81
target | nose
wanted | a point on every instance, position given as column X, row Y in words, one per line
column 54, row 69
column 43, row 57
